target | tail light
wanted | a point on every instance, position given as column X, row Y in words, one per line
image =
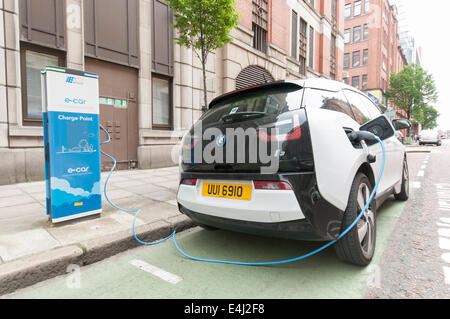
column 272, row 185
column 190, row 146
column 295, row 134
column 189, row 181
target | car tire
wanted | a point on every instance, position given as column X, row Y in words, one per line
column 404, row 193
column 358, row 245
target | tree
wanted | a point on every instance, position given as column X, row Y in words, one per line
column 413, row 89
column 204, row 25
column 430, row 116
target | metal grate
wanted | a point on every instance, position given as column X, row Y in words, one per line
column 252, row 75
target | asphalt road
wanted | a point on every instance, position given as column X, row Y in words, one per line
column 409, row 261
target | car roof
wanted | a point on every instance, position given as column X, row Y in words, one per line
column 314, row 83
column 324, row 84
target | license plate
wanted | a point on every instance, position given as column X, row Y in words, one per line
column 232, row 191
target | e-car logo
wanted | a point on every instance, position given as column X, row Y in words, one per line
column 78, row 170
column 74, row 80
column 75, row 101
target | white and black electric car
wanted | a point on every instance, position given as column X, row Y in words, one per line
column 322, row 177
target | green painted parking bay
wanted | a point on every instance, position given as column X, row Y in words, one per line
column 320, row 276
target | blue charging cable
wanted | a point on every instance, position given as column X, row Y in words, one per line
column 137, row 211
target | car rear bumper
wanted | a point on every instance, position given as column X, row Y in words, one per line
column 294, row 229
column 429, row 142
column 300, row 213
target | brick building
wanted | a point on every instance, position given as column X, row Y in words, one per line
column 372, row 48
column 150, row 88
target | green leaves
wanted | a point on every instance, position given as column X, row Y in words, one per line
column 204, row 25
column 413, row 90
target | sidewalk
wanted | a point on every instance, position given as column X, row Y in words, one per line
column 416, row 148
column 32, row 249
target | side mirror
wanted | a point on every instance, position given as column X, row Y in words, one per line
column 401, row 124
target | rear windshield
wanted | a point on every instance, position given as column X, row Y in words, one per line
column 257, row 104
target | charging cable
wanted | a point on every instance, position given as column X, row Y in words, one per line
column 136, row 211
column 361, row 135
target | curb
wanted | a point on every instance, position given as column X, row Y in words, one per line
column 29, row 270
column 418, row 151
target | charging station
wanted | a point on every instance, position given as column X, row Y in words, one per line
column 70, row 106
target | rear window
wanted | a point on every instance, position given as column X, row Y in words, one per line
column 255, row 104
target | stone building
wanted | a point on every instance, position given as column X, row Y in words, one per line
column 150, row 88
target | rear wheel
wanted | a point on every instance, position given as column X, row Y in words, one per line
column 358, row 245
column 404, row 192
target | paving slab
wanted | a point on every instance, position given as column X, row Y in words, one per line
column 16, row 200
column 13, row 246
column 85, row 230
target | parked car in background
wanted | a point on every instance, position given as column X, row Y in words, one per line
column 430, row 137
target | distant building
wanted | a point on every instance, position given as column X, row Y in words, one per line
column 408, row 43
column 372, row 50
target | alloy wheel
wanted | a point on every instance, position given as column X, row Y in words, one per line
column 366, row 225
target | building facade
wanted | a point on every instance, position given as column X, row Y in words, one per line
column 150, row 88
column 408, row 43
column 372, row 48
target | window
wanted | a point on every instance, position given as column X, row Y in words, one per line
column 356, row 34
column 347, row 36
column 366, row 57
column 366, row 32
column 348, row 11
column 366, row 6
column 327, row 100
column 33, row 60
column 311, row 47
column 357, row 9
column 362, row 114
column 364, row 82
column 294, row 32
column 347, row 81
column 162, row 38
column 355, row 82
column 259, row 24
column 162, row 102
column 356, row 59
column 371, row 107
column 303, row 43
column 346, row 60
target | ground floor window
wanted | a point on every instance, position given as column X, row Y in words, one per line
column 162, row 102
column 33, row 61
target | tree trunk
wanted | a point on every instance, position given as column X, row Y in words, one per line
column 205, row 91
